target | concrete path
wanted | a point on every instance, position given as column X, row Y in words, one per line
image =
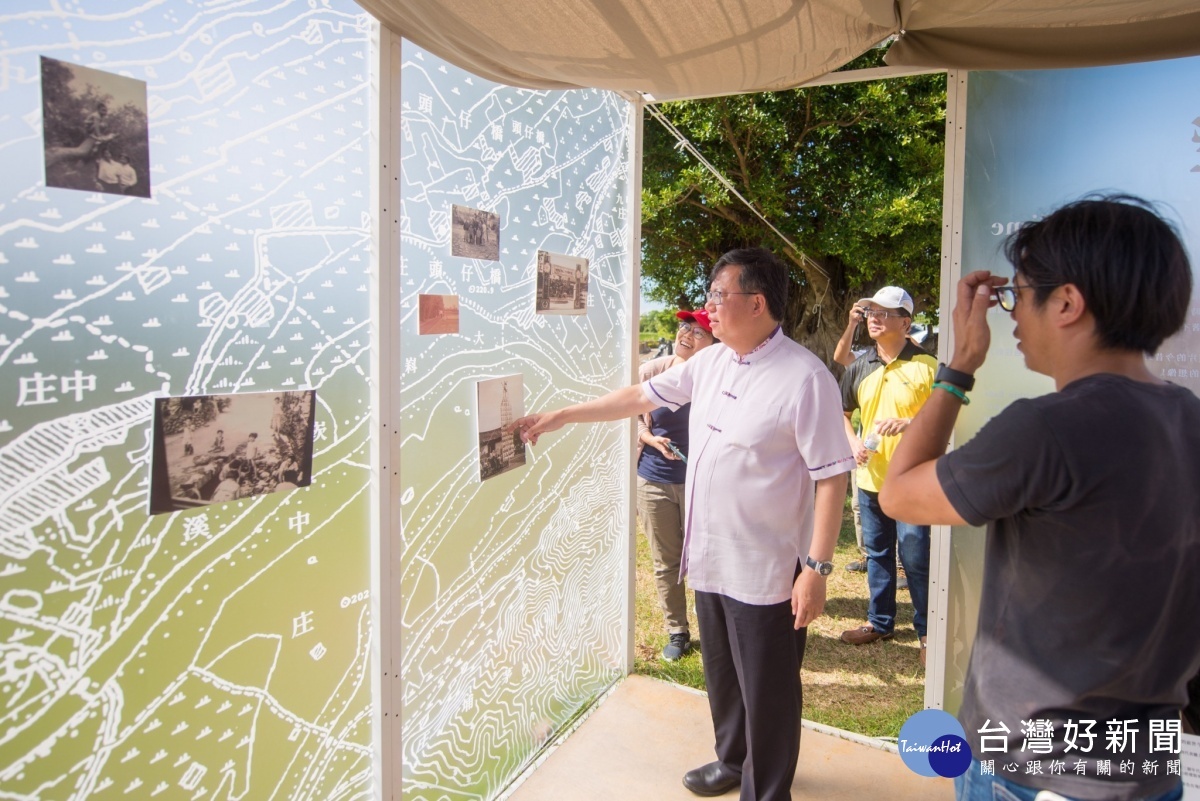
column 647, row 733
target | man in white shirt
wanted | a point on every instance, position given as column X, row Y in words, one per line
column 765, row 486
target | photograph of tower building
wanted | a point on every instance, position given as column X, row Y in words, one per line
column 501, row 402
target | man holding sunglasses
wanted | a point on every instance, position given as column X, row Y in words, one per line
column 887, row 384
column 1088, row 627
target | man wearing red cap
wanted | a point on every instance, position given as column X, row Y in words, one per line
column 662, row 434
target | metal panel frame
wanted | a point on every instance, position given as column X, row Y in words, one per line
column 385, row 400
column 951, row 272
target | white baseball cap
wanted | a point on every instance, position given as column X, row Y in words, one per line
column 891, row 297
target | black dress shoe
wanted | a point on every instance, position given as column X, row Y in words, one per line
column 711, row 779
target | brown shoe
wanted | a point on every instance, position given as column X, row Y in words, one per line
column 924, row 647
column 864, row 634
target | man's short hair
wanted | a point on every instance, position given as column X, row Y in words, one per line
column 762, row 271
column 1125, row 259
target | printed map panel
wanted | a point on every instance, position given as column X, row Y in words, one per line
column 514, row 589
column 222, row 652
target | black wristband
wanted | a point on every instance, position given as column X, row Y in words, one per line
column 948, row 375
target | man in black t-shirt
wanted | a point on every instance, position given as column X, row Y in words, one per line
column 1089, row 621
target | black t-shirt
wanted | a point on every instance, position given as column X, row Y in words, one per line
column 1090, row 606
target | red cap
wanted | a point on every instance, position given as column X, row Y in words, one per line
column 699, row 317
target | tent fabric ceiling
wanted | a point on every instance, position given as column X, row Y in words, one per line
column 674, row 49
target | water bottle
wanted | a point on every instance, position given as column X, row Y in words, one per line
column 871, row 442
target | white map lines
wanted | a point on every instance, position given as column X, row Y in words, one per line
column 246, row 269
column 513, row 590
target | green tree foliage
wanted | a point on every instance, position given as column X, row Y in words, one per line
column 660, row 323
column 852, row 174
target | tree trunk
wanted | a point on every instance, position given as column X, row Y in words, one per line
column 818, row 308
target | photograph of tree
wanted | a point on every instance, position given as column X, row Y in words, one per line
column 95, row 135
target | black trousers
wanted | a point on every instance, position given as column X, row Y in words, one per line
column 752, row 658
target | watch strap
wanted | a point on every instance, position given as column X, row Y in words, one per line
column 948, row 375
column 823, row 568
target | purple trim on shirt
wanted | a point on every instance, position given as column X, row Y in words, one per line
column 831, row 464
column 650, row 383
column 759, row 346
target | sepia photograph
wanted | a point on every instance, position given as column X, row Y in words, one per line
column 95, row 135
column 474, row 233
column 219, row 448
column 437, row 314
column 501, row 402
column 562, row 284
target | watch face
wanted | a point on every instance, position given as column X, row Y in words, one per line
column 824, row 568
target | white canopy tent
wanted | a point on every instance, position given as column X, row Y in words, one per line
column 674, row 49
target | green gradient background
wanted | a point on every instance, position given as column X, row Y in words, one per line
column 514, row 589
column 176, row 656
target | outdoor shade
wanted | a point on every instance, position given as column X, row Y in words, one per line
column 672, row 49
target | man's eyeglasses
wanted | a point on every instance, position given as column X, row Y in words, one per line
column 1006, row 296
column 718, row 296
column 694, row 330
column 881, row 314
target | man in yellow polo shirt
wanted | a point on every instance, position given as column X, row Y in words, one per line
column 888, row 385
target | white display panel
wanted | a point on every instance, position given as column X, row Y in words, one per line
column 515, row 588
column 1034, row 141
column 219, row 652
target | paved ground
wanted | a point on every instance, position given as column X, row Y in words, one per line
column 647, row 733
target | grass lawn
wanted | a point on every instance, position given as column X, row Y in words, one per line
column 869, row 689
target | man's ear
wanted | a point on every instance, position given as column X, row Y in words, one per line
column 760, row 304
column 1068, row 304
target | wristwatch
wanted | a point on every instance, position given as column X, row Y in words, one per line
column 948, row 375
column 824, row 568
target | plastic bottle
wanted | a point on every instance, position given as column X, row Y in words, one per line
column 872, row 441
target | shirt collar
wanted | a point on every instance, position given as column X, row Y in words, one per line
column 763, row 349
column 907, row 353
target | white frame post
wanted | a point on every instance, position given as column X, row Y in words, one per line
column 635, row 295
column 951, row 272
column 385, row 399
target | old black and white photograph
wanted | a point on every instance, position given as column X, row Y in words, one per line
column 501, row 402
column 219, row 448
column 474, row 233
column 437, row 314
column 95, row 134
column 562, row 284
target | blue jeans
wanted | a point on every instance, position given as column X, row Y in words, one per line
column 971, row 786
column 881, row 534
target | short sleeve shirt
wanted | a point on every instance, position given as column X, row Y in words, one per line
column 764, row 428
column 882, row 391
column 1090, row 607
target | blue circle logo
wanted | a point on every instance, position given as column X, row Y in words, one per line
column 933, row 743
